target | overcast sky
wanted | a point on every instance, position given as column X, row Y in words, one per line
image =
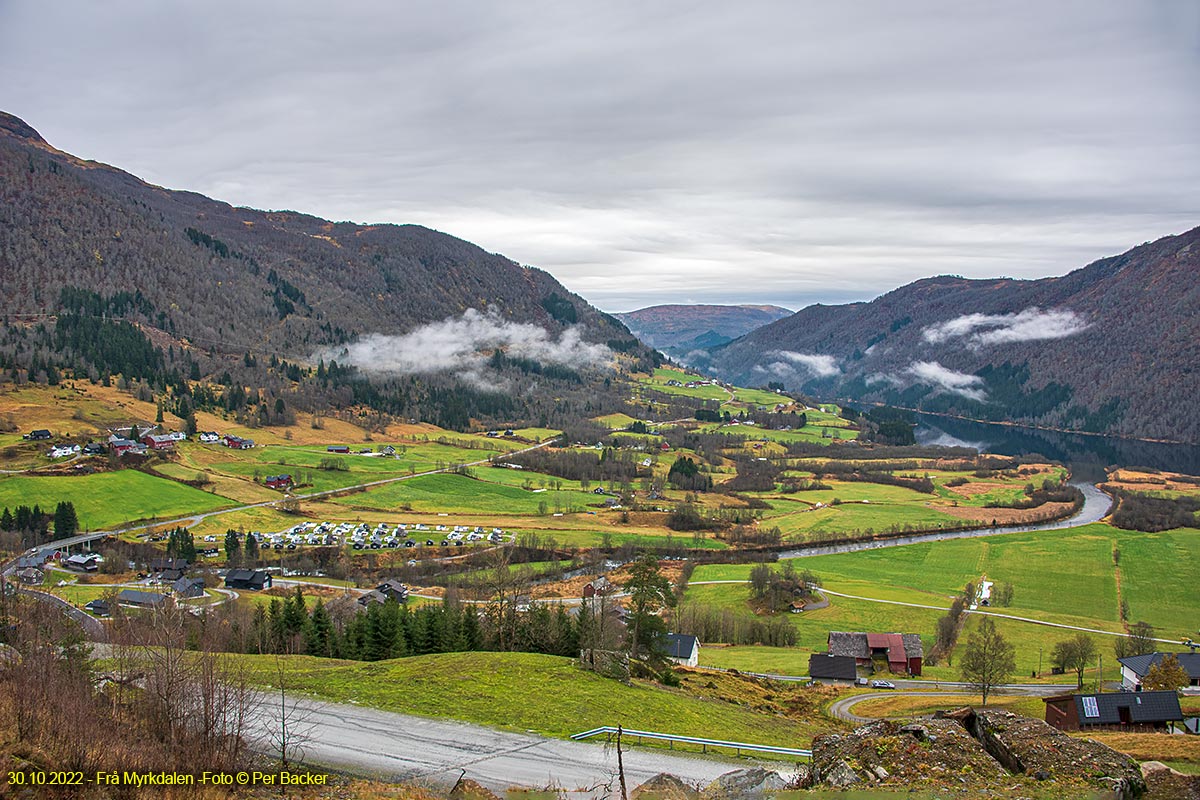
column 726, row 152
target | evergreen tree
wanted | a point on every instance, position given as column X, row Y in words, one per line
column 649, row 593
column 7, row 522
column 233, row 547
column 65, row 522
column 319, row 633
column 251, row 550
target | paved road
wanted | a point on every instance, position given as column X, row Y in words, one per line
column 422, row 750
column 840, row 709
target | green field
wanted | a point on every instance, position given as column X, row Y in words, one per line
column 1065, row 577
column 108, row 499
column 461, row 494
column 527, row 692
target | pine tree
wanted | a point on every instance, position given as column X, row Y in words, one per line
column 7, row 522
column 318, row 633
column 251, row 550
column 233, row 547
column 65, row 522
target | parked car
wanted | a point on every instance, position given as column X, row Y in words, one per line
column 882, row 685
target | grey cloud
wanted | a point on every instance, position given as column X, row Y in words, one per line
column 462, row 344
column 1032, row 324
column 934, row 374
column 818, row 364
column 710, row 152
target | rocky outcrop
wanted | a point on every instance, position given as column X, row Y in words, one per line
column 1025, row 746
column 970, row 749
column 887, row 751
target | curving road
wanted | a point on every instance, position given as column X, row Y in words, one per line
column 402, row 747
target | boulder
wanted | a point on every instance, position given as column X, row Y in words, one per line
column 664, row 787
column 744, row 784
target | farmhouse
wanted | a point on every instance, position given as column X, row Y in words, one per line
column 140, row 599
column 31, row 576
column 1134, row 668
column 1128, row 711
column 188, row 588
column 82, row 562
column 373, row 596
column 99, row 608
column 600, row 585
column 177, row 436
column 837, row 669
column 901, row 652
column 39, row 435
column 93, row 449
column 210, row 437
column 157, row 441
column 393, row 589
column 337, row 448
column 682, row 649
column 122, row 446
column 161, row 565
column 279, row 481
column 237, row 442
column 251, row 579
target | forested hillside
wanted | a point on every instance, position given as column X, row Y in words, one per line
column 106, row 274
column 1109, row 348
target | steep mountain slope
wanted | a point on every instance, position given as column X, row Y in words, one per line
column 1112, row 347
column 206, row 290
column 671, row 326
column 227, row 275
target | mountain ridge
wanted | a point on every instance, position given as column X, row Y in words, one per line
column 675, row 325
column 1108, row 347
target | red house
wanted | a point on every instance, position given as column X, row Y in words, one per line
column 158, row 442
column 279, row 481
column 237, row 442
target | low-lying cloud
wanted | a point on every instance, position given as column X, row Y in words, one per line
column 960, row 383
column 821, row 366
column 1032, row 324
column 463, row 344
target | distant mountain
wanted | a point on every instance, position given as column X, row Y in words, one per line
column 1113, row 347
column 204, row 280
column 690, row 326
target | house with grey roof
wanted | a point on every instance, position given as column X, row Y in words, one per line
column 1134, row 668
column 1126, row 711
column 681, row 649
column 140, row 599
column 832, row 669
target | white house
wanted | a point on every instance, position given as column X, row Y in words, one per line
column 210, row 436
column 682, row 649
